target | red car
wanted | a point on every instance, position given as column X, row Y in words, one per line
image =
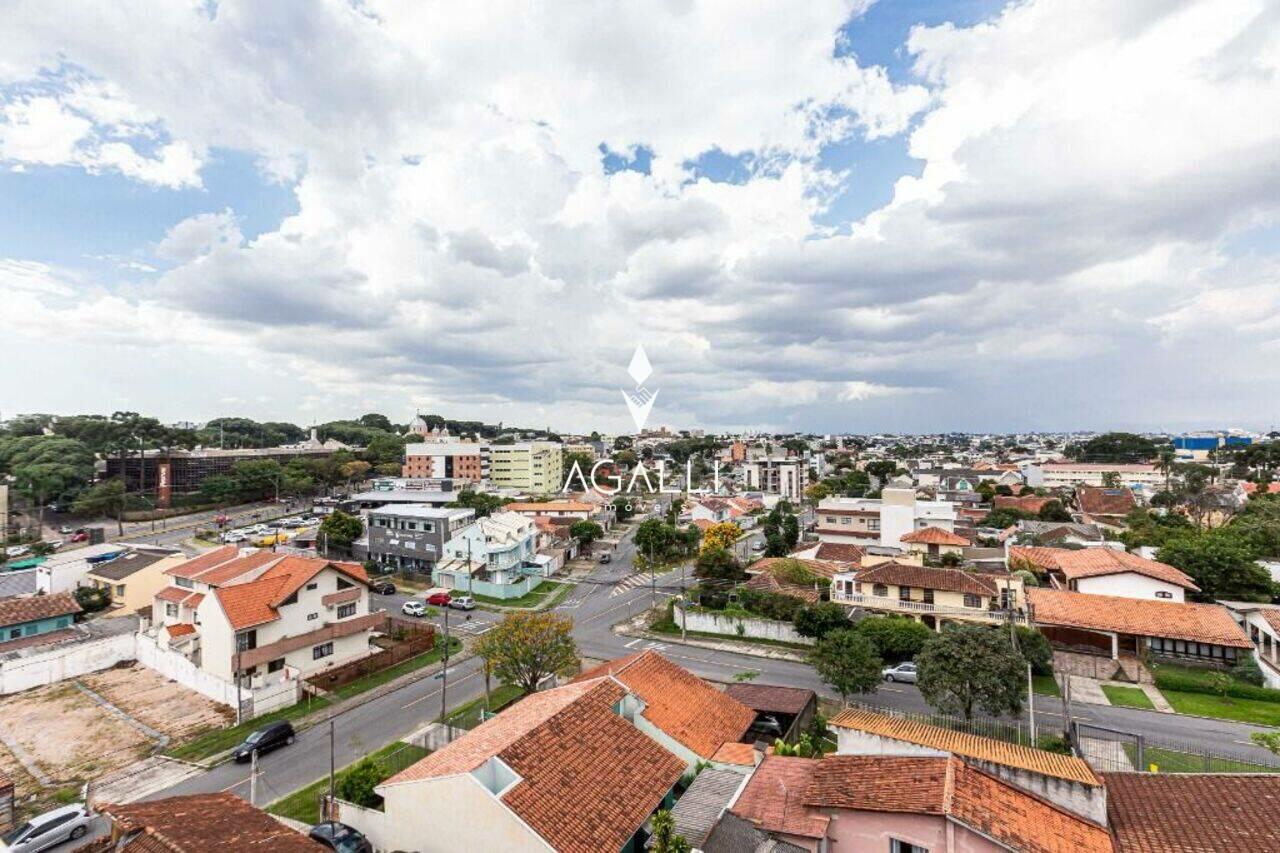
column 80, row 537
column 439, row 599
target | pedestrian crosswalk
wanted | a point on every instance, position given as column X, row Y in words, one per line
column 632, row 581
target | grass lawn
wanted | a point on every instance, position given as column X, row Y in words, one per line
column 1242, row 710
column 468, row 716
column 376, row 679
column 1044, row 685
column 220, row 740
column 1129, row 697
column 304, row 804
column 1173, row 761
column 530, row 599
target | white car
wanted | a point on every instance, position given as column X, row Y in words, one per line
column 234, row 536
column 413, row 608
column 48, row 830
column 17, row 551
column 904, row 672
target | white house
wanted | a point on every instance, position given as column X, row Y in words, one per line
column 1105, row 571
column 1262, row 623
column 503, row 553
column 881, row 521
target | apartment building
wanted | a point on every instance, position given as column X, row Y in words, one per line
column 881, row 521
column 1071, row 474
column 497, row 557
column 534, row 466
column 466, row 461
column 411, row 537
column 785, row 476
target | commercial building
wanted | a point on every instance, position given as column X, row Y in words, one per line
column 411, row 537
column 1054, row 475
column 466, row 461
column 536, row 467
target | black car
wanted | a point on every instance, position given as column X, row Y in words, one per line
column 264, row 740
column 767, row 724
column 383, row 587
column 340, row 837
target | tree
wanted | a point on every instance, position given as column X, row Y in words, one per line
column 1113, row 447
column 972, row 666
column 1004, row 517
column 717, row 564
column 373, row 420
column 586, row 532
column 882, row 469
column 339, row 530
column 665, row 839
column 257, row 478
column 355, row 470
column 1222, row 565
column 721, row 536
column 781, row 530
column 384, row 448
column 524, row 648
column 1035, row 650
column 819, row 620
column 1053, row 511
column 622, row 508
column 356, row 784
column 41, row 482
column 1111, row 479
column 106, row 498
column 92, row 598
column 895, row 638
column 484, row 504
column 219, row 489
column 847, row 662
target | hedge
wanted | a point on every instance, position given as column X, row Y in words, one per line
column 1187, row 681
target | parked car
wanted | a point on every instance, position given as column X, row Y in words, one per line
column 82, row 536
column 439, row 599
column 383, row 587
column 413, row 607
column 606, row 557
column 767, row 725
column 340, row 837
column 17, row 551
column 904, row 672
column 757, row 545
column 65, row 529
column 48, row 830
column 463, row 602
column 264, row 740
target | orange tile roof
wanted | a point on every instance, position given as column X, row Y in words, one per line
column 180, row 629
column 968, row 745
column 736, row 753
column 240, row 566
column 588, row 778
column 1101, row 501
column 923, row 577
column 1018, row 819
column 1202, row 623
column 1026, row 503
column 249, row 604
column 1193, row 812
column 30, row 608
column 703, row 524
column 174, row 594
column 550, row 506
column 203, row 562
column 839, row 552
column 934, row 536
column 773, row 798
column 193, row 601
column 204, row 823
column 684, row 706
column 766, row 582
column 1093, row 562
column 1044, row 559
column 880, row 783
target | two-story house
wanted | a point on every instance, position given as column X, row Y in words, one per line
column 934, row 596
column 496, row 556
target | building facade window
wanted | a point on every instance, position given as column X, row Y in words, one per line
column 346, row 610
column 971, row 600
column 1163, row 593
column 171, row 609
column 247, row 640
column 904, row 593
column 275, row 665
column 880, row 590
column 928, row 596
column 185, row 583
column 321, row 651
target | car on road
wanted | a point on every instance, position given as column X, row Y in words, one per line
column 17, row 551
column 383, row 587
column 439, row 599
column 413, row 607
column 65, row 529
column 48, row 830
column 233, row 536
column 463, row 602
column 264, row 740
column 606, row 557
column 340, row 837
column 904, row 672
column 81, row 536
column 757, row 545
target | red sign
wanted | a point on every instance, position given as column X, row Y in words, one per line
column 164, row 486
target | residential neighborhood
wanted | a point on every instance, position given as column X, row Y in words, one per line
column 828, row 427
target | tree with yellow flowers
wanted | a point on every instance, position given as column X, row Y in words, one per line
column 720, row 536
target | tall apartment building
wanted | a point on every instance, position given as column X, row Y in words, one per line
column 786, row 476
column 533, row 466
column 440, row 459
column 881, row 521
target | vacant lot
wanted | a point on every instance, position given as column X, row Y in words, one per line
column 70, row 737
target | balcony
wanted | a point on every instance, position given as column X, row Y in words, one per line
column 897, row 605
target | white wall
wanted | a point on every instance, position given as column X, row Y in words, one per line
column 60, row 662
column 152, row 654
column 760, row 629
column 1129, row 585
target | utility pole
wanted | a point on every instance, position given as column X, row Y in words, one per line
column 653, row 576
column 444, row 673
column 253, row 778
column 328, row 812
column 239, row 701
column 1031, row 704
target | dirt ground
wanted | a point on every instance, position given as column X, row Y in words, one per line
column 71, row 737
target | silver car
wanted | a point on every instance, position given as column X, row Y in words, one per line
column 904, row 672
column 48, row 830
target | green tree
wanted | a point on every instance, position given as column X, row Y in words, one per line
column 1004, row 517
column 41, row 482
column 717, row 565
column 219, row 489
column 106, row 498
column 895, row 638
column 1035, row 650
column 781, row 530
column 847, row 662
column 373, row 420
column 525, row 648
column 484, row 504
column 339, row 530
column 384, row 448
column 968, row 667
column 882, row 469
column 819, row 620
column 623, row 508
column 257, row 478
column 1223, row 566
column 665, row 839
column 1053, row 511
column 357, row 784
column 1113, row 447
column 586, row 532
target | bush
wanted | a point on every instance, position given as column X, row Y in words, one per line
column 770, row 605
column 1035, row 648
column 1054, row 743
column 1248, row 671
column 92, row 599
column 818, row 620
column 1201, row 681
column 356, row 785
column 896, row 638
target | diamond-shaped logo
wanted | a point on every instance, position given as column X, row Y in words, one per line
column 640, row 369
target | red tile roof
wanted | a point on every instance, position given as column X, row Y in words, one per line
column 1100, row 501
column 774, row 798
column 256, row 602
column 1027, row 503
column 180, row 629
column 173, row 594
column 736, row 753
column 1093, row 562
column 31, row 608
column 934, row 536
column 772, row 565
column 588, row 778
column 1202, row 623
column 684, row 706
column 766, row 582
column 1193, row 812
column 968, row 745
column 772, row 697
column 840, row 552
column 239, row 567
column 205, row 823
column 922, row 577
column 880, row 783
column 204, row 562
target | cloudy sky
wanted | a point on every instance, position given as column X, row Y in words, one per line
column 837, row 216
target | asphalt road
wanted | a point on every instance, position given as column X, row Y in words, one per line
column 611, row 593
